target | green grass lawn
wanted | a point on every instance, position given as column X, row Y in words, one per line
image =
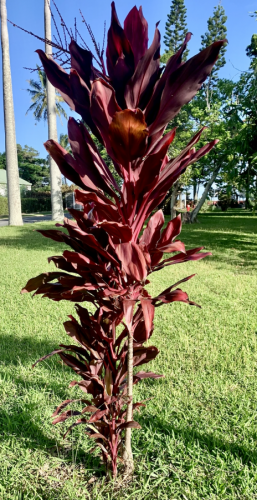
column 199, row 430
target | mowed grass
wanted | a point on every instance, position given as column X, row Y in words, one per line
column 199, row 430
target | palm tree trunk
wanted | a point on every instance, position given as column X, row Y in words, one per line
column 55, row 174
column 173, row 200
column 200, row 203
column 12, row 170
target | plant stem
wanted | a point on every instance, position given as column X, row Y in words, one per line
column 128, row 456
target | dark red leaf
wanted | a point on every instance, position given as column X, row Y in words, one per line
column 81, row 97
column 81, row 61
column 120, row 232
column 66, row 403
column 142, row 375
column 132, row 259
column 119, row 55
column 57, row 76
column 56, row 351
column 136, row 31
column 43, row 278
column 97, row 415
column 128, row 309
column 129, row 425
column 172, row 230
column 183, row 84
column 65, row 415
column 152, row 232
column 172, row 65
column 89, row 164
column 148, row 312
column 141, row 85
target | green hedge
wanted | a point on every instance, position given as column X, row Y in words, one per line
column 3, row 205
column 31, row 205
column 28, row 205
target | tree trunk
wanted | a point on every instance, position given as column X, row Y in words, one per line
column 247, row 194
column 194, row 191
column 200, row 203
column 12, row 170
column 173, row 200
column 128, row 456
column 55, row 174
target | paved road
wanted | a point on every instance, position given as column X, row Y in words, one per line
column 29, row 219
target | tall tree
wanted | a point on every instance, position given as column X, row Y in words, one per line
column 216, row 31
column 13, row 188
column 55, row 175
column 222, row 124
column 175, row 29
column 38, row 93
column 32, row 168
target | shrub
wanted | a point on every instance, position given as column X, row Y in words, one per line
column 206, row 207
column 111, row 256
column 32, row 205
column 4, row 205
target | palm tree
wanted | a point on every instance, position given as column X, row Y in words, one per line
column 13, row 188
column 64, row 142
column 55, row 174
column 38, row 94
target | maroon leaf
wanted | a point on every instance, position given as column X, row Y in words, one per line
column 177, row 246
column 144, row 355
column 90, row 163
column 97, row 415
column 103, row 108
column 173, row 286
column 172, row 65
column 65, row 415
column 81, row 97
column 128, row 309
column 142, row 375
column 43, row 278
column 56, row 351
column 129, row 425
column 172, row 230
column 148, row 312
column 136, row 31
column 89, row 409
column 81, row 61
column 108, row 380
column 119, row 55
column 120, row 232
column 132, row 259
column 66, row 403
column 66, row 164
column 140, row 87
column 183, row 84
column 152, row 232
column 57, row 76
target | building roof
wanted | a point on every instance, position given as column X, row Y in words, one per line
column 3, row 179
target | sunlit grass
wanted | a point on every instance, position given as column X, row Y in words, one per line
column 199, row 430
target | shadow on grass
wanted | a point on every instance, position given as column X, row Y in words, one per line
column 20, row 414
column 27, row 238
column 231, row 248
column 205, row 441
column 225, row 235
column 15, row 350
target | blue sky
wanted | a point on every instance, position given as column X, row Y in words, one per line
column 30, row 15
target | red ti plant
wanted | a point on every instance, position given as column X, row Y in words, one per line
column 127, row 107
